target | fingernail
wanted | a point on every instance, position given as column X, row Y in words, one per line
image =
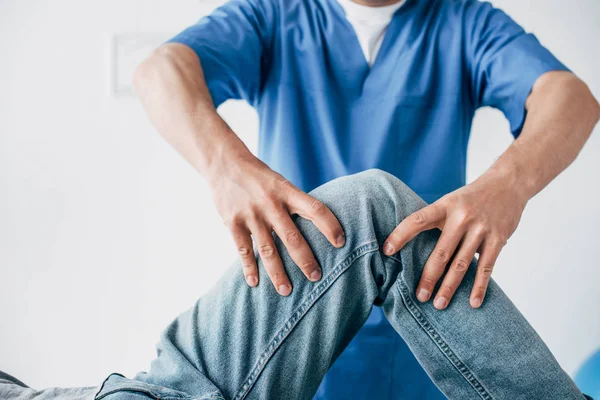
column 388, row 249
column 251, row 280
column 440, row 303
column 476, row 302
column 285, row 290
column 423, row 295
column 340, row 241
column 315, row 275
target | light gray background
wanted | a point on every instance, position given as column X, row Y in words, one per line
column 106, row 234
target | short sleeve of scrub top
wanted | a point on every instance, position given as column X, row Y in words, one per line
column 232, row 44
column 504, row 61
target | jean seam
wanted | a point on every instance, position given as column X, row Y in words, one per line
column 430, row 330
column 152, row 395
column 214, row 395
column 304, row 306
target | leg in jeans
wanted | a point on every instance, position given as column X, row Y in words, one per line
column 245, row 343
column 250, row 343
column 13, row 389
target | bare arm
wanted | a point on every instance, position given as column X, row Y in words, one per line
column 480, row 217
column 171, row 86
column 562, row 112
column 252, row 199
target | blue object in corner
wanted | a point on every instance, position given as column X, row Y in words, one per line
column 588, row 376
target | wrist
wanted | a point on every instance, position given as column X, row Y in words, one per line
column 220, row 151
column 513, row 179
column 231, row 162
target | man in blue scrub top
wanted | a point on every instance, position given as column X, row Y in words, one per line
column 343, row 86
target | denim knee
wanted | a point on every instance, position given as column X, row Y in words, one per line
column 370, row 203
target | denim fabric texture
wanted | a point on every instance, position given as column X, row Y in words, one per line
column 13, row 389
column 239, row 342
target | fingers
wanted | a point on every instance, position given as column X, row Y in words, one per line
column 297, row 246
column 243, row 241
column 437, row 262
column 270, row 258
column 458, row 268
column 487, row 259
column 422, row 220
column 314, row 210
column 275, row 214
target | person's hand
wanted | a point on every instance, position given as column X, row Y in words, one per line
column 254, row 201
column 478, row 218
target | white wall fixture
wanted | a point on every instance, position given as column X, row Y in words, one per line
column 126, row 52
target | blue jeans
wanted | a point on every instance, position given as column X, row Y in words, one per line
column 239, row 343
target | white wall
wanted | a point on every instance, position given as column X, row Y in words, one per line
column 106, row 234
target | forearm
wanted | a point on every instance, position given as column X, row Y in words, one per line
column 171, row 86
column 562, row 113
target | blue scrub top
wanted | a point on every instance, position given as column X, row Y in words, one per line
column 325, row 113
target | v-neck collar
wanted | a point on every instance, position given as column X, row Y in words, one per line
column 391, row 31
column 369, row 13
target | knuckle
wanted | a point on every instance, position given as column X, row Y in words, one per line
column 418, row 218
column 308, row 265
column 252, row 214
column 486, row 270
column 266, row 251
column 479, row 290
column 277, row 277
column 460, row 265
column 428, row 281
column 317, row 206
column 231, row 220
column 279, row 213
column 483, row 219
column 284, row 184
column 244, row 251
column 499, row 241
column 441, row 255
column 462, row 215
column 481, row 229
column 292, row 238
column 448, row 289
column 248, row 267
column 269, row 200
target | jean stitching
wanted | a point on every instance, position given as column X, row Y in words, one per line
column 440, row 342
column 145, row 392
column 299, row 313
column 102, row 386
column 214, row 395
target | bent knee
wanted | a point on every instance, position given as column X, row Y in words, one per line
column 376, row 186
column 372, row 197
